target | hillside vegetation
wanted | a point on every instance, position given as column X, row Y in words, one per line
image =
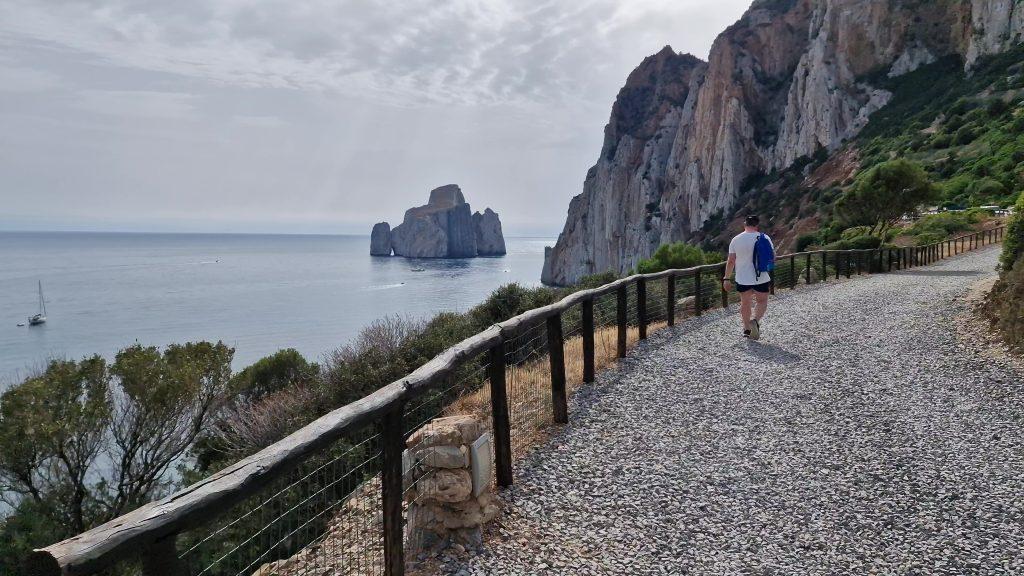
column 964, row 131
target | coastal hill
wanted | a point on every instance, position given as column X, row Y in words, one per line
column 792, row 81
column 445, row 227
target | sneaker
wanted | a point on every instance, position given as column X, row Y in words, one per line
column 755, row 330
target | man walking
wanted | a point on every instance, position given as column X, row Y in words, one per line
column 752, row 281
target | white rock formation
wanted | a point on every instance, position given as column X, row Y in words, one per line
column 445, row 227
column 489, row 239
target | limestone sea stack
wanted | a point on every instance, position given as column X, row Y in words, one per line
column 445, row 227
column 380, row 240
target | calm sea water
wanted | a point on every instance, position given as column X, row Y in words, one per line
column 257, row 293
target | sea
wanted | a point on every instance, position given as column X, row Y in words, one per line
column 256, row 293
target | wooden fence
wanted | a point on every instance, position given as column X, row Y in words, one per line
column 146, row 540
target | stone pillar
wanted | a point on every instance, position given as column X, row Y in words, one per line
column 448, row 469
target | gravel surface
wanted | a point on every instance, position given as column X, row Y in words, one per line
column 860, row 436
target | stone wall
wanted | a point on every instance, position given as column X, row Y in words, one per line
column 450, row 496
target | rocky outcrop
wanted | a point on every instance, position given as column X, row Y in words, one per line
column 445, row 227
column 380, row 239
column 790, row 78
column 489, row 239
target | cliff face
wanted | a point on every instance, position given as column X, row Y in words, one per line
column 789, row 78
column 445, row 227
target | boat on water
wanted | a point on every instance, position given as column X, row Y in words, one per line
column 40, row 317
column 418, row 270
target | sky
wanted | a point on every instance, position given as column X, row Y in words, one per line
column 314, row 116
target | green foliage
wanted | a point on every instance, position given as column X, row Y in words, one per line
column 1013, row 243
column 83, row 442
column 273, row 373
column 928, row 238
column 1006, row 302
column 857, row 243
column 944, row 223
column 678, row 255
column 882, row 195
column 855, row 231
column 804, row 241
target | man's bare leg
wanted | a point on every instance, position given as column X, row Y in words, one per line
column 746, row 306
column 762, row 305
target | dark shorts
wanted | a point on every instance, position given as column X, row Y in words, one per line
column 762, row 288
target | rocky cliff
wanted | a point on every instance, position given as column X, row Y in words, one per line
column 445, row 227
column 790, row 78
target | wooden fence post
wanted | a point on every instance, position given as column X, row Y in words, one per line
column 670, row 306
column 641, row 306
column 500, row 415
column 589, row 371
column 556, row 353
column 392, row 438
column 721, row 287
column 697, row 304
column 621, row 319
column 824, row 266
column 792, row 272
column 161, row 559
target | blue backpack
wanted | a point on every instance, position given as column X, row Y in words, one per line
column 764, row 255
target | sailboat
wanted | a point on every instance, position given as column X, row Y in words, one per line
column 39, row 318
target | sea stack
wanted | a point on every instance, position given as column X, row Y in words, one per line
column 445, row 227
column 380, row 240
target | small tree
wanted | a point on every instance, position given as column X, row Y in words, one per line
column 880, row 197
column 84, row 442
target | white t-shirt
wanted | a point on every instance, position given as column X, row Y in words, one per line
column 743, row 247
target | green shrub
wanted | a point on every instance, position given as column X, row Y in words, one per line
column 855, row 231
column 805, row 241
column 997, row 107
column 944, row 223
column 1013, row 243
column 965, row 136
column 1006, row 303
column 858, row 243
column 276, row 372
column 677, row 255
column 928, row 238
column 942, row 141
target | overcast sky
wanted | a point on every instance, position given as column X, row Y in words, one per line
column 314, row 116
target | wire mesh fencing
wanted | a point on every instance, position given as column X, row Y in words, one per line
column 323, row 517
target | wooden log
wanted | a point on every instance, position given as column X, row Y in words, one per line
column 392, row 438
column 556, row 354
column 500, row 415
column 641, row 306
column 670, row 304
column 621, row 320
column 721, row 287
column 589, row 371
column 698, row 304
column 161, row 559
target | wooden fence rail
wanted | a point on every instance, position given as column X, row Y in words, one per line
column 147, row 535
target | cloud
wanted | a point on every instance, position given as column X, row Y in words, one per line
column 20, row 79
column 137, row 103
column 410, row 53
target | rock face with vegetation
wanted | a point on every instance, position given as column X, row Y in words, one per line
column 790, row 80
column 445, row 227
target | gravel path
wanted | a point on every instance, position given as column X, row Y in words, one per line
column 858, row 437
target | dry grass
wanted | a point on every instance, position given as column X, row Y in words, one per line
column 529, row 385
